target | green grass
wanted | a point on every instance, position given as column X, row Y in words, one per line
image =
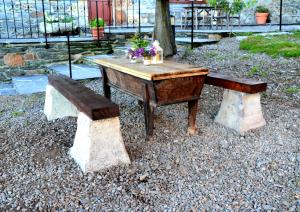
column 292, row 90
column 256, row 70
column 275, row 46
column 243, row 33
column 187, row 53
column 17, row 113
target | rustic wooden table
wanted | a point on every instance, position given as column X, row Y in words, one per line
column 155, row 85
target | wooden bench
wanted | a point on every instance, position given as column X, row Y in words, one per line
column 98, row 141
column 241, row 107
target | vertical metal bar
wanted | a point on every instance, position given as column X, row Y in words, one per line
column 6, row 19
column 46, row 38
column 127, row 12
column 84, row 11
column 133, row 21
column 103, row 11
column 13, row 10
column 121, row 12
column 280, row 18
column 78, row 16
column 58, row 16
column 64, row 13
column 50, row 9
column 23, row 30
column 69, row 53
column 71, row 8
column 37, row 19
column 139, row 16
column 29, row 19
column 192, row 32
column 109, row 15
column 97, row 16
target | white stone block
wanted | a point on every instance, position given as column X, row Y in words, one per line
column 57, row 106
column 98, row 144
column 240, row 111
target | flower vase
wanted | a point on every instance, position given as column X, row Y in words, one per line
column 147, row 61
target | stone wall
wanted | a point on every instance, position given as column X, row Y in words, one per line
column 28, row 59
column 291, row 12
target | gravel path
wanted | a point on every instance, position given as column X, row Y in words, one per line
column 217, row 169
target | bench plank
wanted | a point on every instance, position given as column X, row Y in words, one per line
column 87, row 101
column 241, row 85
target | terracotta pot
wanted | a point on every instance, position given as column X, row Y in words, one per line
column 121, row 17
column 95, row 32
column 261, row 18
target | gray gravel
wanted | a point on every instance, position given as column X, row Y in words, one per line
column 217, row 169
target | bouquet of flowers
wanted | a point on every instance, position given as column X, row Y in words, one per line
column 140, row 48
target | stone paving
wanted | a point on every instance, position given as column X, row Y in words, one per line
column 30, row 84
column 37, row 83
column 79, row 71
column 7, row 89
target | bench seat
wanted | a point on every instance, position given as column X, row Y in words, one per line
column 240, row 108
column 98, row 141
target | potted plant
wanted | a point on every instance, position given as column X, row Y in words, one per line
column 262, row 13
column 137, row 49
column 97, row 28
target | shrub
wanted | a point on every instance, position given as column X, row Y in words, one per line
column 97, row 22
column 262, row 9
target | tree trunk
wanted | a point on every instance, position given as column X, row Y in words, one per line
column 162, row 29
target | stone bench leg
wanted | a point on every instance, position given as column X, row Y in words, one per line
column 240, row 111
column 57, row 106
column 98, row 144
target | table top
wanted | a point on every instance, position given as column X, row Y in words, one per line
column 168, row 70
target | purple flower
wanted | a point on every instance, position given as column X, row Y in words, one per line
column 136, row 53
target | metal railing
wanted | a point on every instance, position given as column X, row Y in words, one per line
column 37, row 18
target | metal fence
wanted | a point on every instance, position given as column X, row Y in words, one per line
column 42, row 18
column 35, row 18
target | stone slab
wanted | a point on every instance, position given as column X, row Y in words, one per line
column 197, row 41
column 30, row 84
column 7, row 89
column 79, row 71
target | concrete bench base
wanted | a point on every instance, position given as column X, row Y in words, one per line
column 240, row 111
column 98, row 144
column 57, row 106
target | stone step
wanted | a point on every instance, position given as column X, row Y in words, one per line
column 79, row 71
column 197, row 41
column 30, row 84
column 7, row 89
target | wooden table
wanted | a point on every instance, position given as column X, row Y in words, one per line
column 155, row 85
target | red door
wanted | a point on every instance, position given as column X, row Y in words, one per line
column 104, row 10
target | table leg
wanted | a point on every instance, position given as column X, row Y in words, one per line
column 148, row 112
column 193, row 108
column 106, row 87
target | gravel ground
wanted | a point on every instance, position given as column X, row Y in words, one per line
column 217, row 169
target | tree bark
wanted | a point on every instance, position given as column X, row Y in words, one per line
column 163, row 29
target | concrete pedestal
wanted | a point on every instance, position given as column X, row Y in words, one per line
column 57, row 106
column 240, row 111
column 98, row 144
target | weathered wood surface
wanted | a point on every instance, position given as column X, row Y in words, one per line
column 241, row 85
column 87, row 101
column 167, row 70
column 170, row 88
